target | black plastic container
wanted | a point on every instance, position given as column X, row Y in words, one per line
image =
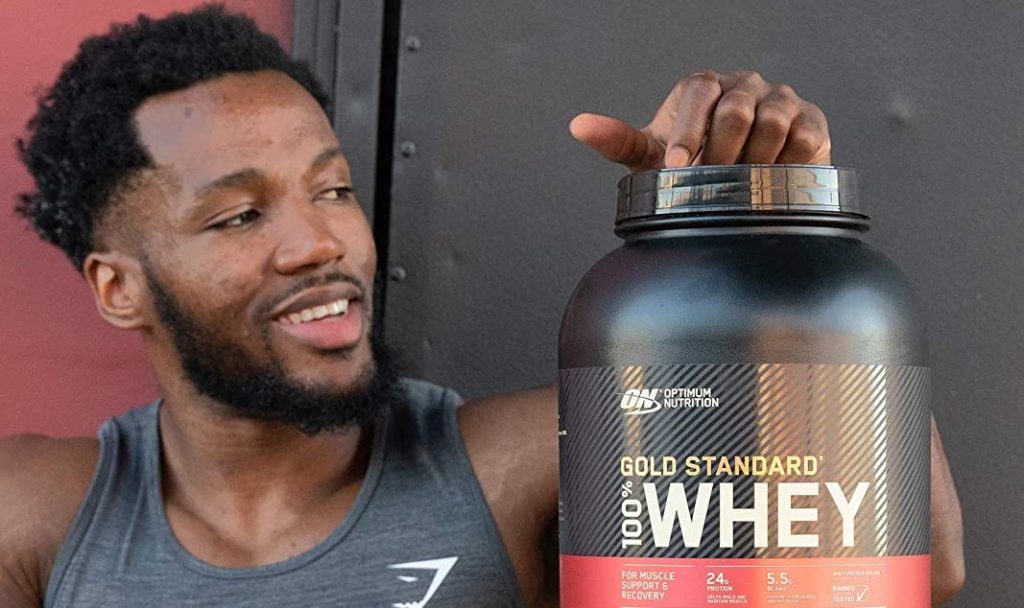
column 744, row 319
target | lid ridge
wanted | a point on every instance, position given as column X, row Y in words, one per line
column 787, row 188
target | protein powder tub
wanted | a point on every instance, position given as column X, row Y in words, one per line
column 743, row 415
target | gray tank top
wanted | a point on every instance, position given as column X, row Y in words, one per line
column 418, row 535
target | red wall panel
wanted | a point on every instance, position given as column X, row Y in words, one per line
column 63, row 370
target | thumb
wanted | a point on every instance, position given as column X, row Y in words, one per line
column 617, row 141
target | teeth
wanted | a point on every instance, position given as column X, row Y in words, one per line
column 335, row 308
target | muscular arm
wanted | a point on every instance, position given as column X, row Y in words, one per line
column 947, row 528
column 513, row 446
column 42, row 483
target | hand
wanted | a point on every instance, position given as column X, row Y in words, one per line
column 947, row 528
column 715, row 119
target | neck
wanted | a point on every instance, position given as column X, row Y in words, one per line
column 215, row 460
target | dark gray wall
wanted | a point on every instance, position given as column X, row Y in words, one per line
column 341, row 41
column 497, row 212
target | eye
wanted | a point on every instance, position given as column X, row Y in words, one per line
column 336, row 194
column 237, row 221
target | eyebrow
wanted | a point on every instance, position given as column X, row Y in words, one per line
column 326, row 155
column 231, row 180
column 245, row 176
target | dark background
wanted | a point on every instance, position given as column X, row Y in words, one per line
column 493, row 211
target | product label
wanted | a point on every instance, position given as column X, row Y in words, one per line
column 745, row 485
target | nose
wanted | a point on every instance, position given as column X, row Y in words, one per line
column 306, row 240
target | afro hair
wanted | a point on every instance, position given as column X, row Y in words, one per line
column 82, row 143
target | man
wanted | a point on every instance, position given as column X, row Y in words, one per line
column 187, row 168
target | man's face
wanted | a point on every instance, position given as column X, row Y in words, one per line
column 259, row 260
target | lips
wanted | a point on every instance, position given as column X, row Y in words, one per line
column 317, row 296
column 327, row 318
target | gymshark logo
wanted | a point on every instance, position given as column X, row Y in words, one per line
column 441, row 568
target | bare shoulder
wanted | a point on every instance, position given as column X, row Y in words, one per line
column 42, row 483
column 512, row 441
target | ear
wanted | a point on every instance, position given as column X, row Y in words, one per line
column 117, row 286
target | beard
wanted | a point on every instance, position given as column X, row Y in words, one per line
column 221, row 369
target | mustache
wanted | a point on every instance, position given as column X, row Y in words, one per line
column 305, row 283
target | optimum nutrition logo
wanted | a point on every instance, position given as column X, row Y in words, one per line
column 641, row 401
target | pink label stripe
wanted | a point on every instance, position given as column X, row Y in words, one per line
column 636, row 582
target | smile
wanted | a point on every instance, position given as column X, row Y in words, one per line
column 315, row 313
column 335, row 325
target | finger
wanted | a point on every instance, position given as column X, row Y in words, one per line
column 730, row 125
column 947, row 535
column 700, row 93
column 808, row 139
column 772, row 121
column 617, row 141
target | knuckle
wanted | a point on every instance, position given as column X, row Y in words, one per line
column 811, row 118
column 826, row 146
column 705, row 77
column 786, row 92
column 781, row 102
column 735, row 109
column 749, row 77
column 704, row 82
column 804, row 144
column 737, row 97
column 816, row 115
column 773, row 123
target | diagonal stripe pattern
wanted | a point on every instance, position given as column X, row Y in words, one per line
column 862, row 423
